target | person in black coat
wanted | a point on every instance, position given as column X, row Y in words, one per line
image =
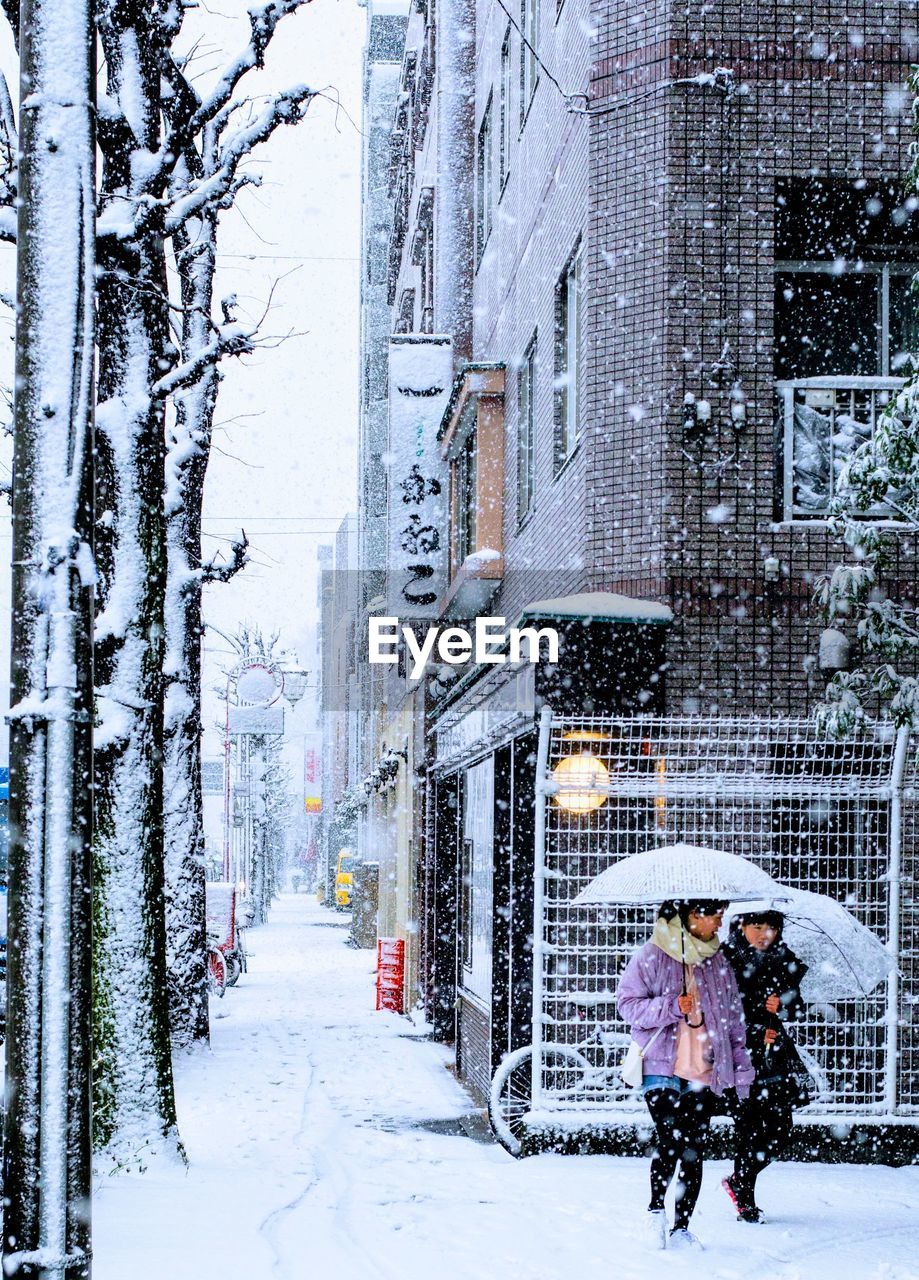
column 769, row 977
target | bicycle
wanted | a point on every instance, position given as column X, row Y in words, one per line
column 575, row 1081
column 216, row 969
column 236, row 958
column 581, row 1077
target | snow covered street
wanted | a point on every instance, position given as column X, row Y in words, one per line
column 325, row 1139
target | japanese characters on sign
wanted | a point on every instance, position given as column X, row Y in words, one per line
column 312, row 772
column 420, row 379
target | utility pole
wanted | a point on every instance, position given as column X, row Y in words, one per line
column 47, row 1184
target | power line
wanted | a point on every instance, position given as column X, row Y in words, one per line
column 253, row 519
column 292, row 257
column 273, row 533
column 721, row 79
column 569, row 97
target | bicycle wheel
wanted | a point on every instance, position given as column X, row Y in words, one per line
column 216, row 972
column 234, row 968
column 509, row 1100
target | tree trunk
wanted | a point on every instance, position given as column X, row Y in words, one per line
column 134, row 1106
column 134, row 1113
column 47, row 1140
column 187, row 459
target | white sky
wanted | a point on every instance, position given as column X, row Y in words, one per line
column 286, row 466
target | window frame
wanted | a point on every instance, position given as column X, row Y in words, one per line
column 526, row 431
column 569, row 326
column 465, row 472
column 529, row 60
column 504, row 123
column 406, row 313
column 484, row 180
column 466, row 896
column 477, row 876
column 872, row 268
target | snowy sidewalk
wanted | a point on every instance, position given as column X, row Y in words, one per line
column 315, row 1134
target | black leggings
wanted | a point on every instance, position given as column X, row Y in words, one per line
column 762, row 1127
column 681, row 1121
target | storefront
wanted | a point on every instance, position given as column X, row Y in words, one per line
column 478, row 868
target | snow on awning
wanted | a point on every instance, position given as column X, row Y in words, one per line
column 600, row 606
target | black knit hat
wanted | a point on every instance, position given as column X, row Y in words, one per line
column 774, row 919
column 684, row 908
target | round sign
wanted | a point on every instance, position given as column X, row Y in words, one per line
column 258, row 684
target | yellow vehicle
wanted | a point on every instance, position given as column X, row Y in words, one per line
column 343, row 881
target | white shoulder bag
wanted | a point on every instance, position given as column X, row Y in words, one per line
column 631, row 1069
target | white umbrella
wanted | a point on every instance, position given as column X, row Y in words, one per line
column 680, row 871
column 845, row 959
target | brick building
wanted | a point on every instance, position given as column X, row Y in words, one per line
column 671, row 251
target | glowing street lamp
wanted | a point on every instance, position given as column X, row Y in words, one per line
column 582, row 778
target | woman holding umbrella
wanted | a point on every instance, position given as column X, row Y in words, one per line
column 769, row 977
column 680, row 998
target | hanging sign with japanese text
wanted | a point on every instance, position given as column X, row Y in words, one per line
column 312, row 772
column 420, row 379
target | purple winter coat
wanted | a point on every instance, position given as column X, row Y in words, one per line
column 647, row 999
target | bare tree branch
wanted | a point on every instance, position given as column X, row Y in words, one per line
column 263, row 21
column 213, row 191
column 231, row 340
column 189, row 114
column 9, row 164
column 213, row 571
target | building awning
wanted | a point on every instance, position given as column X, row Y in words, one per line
column 600, row 606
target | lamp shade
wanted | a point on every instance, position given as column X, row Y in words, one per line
column 582, row 782
column 295, row 682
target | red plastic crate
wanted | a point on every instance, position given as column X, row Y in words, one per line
column 390, row 973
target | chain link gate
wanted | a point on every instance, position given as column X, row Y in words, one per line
column 826, row 815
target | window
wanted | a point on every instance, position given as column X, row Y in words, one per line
column 567, row 359
column 427, row 281
column 846, row 322
column 477, row 904
column 423, row 258
column 526, row 432
column 484, row 190
column 406, row 321
column 466, row 903
column 466, row 498
column 474, row 443
column 845, row 255
column 529, row 67
column 504, row 124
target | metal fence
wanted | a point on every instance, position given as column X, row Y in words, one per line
column 835, row 817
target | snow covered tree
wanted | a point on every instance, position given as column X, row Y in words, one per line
column 881, row 476
column 47, row 173
column 268, row 789
column 171, row 159
column 206, row 181
column 272, row 817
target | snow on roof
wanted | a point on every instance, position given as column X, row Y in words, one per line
column 603, row 606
